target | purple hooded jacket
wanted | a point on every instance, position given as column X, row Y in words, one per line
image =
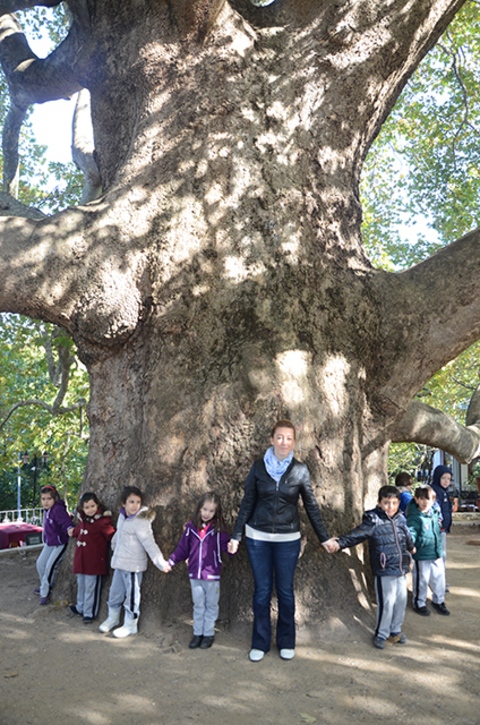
column 204, row 555
column 56, row 523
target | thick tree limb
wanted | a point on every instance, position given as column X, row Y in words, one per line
column 423, row 424
column 31, row 79
column 70, row 271
column 10, row 138
column 83, row 147
column 9, row 206
column 442, row 293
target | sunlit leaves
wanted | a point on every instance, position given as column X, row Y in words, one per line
column 25, row 376
column 421, row 188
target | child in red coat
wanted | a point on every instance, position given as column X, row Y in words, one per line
column 90, row 562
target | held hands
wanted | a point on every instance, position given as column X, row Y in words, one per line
column 232, row 546
column 70, row 532
column 166, row 568
column 331, row 546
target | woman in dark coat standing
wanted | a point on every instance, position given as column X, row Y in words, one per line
column 270, row 519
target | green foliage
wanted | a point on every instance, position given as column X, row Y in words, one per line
column 25, row 376
column 426, row 164
column 47, row 26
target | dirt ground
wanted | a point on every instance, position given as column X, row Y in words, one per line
column 56, row 670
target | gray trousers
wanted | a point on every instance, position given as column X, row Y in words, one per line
column 429, row 573
column 205, row 595
column 47, row 565
column 89, row 587
column 391, row 602
column 125, row 590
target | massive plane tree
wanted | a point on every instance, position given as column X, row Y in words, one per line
column 219, row 282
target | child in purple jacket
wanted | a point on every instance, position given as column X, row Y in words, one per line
column 202, row 543
column 56, row 523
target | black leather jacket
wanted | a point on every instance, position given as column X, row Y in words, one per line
column 273, row 507
column 389, row 541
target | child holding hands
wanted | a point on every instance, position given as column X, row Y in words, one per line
column 429, row 567
column 131, row 543
column 389, row 542
column 90, row 562
column 56, row 524
column 202, row 543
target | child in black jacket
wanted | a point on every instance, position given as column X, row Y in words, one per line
column 389, row 541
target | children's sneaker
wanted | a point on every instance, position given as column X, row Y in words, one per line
column 378, row 642
column 424, row 611
column 397, row 638
column 287, row 654
column 46, row 600
column 87, row 620
column 441, row 608
column 196, row 641
column 37, row 591
column 74, row 610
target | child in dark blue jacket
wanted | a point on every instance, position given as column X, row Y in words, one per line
column 389, row 541
column 202, row 543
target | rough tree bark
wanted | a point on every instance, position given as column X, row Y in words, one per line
column 220, row 281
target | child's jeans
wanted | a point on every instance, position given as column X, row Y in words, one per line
column 391, row 602
column 205, row 595
column 430, row 572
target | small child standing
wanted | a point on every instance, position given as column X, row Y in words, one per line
column 429, row 567
column 90, row 562
column 389, row 541
column 56, row 523
column 202, row 543
column 442, row 480
column 131, row 543
column 404, row 483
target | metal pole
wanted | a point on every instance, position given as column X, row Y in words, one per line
column 19, row 488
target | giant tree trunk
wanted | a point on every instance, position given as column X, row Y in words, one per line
column 220, row 282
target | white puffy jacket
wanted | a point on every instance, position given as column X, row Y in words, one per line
column 133, row 540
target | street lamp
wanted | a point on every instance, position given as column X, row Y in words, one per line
column 37, row 460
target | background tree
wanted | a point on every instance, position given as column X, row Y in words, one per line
column 221, row 281
column 42, row 409
column 428, row 151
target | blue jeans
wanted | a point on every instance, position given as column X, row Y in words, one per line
column 267, row 557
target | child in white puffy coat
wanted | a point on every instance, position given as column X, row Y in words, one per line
column 132, row 542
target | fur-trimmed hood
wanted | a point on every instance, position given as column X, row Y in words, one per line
column 144, row 513
column 101, row 512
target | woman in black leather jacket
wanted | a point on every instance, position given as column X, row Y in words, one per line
column 269, row 516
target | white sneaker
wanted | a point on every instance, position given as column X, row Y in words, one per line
column 256, row 655
column 287, row 654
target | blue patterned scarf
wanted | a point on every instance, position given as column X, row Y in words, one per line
column 276, row 468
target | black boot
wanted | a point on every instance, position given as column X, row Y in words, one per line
column 196, row 641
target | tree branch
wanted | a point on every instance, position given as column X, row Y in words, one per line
column 10, row 138
column 442, row 293
column 67, row 270
column 83, row 148
column 31, row 79
column 42, row 404
column 423, row 424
